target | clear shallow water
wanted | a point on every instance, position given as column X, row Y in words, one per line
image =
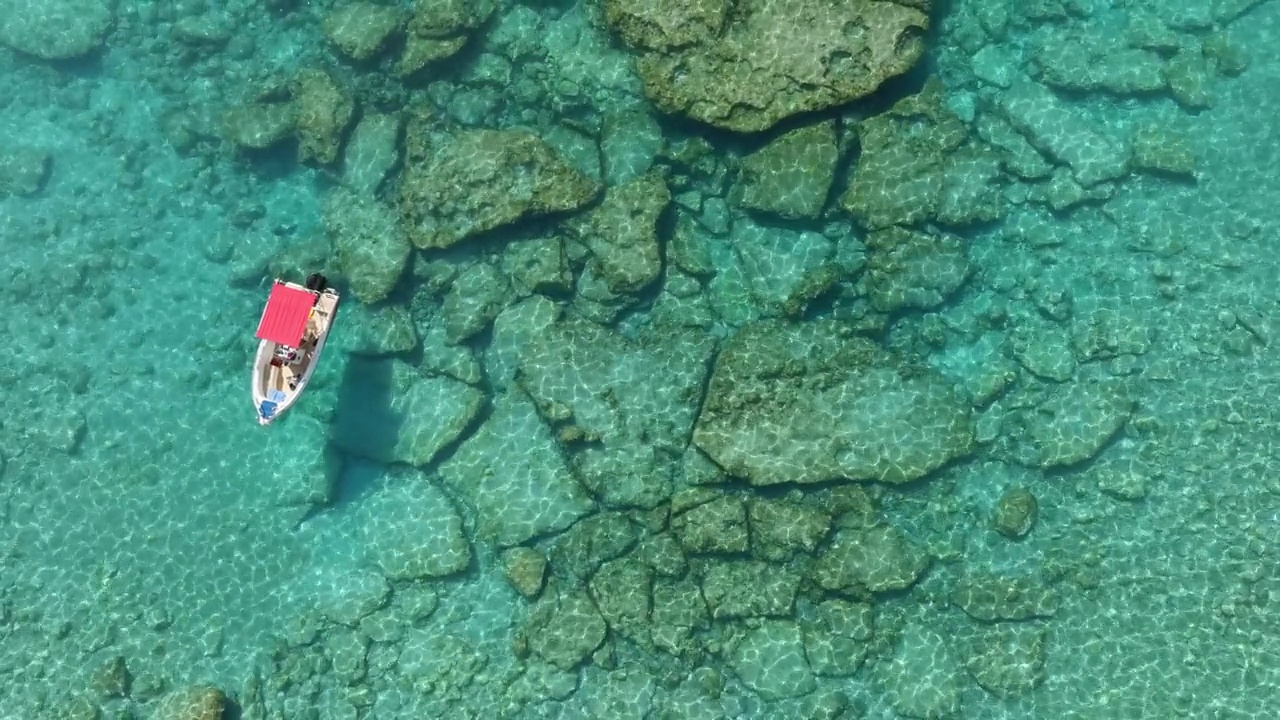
column 157, row 543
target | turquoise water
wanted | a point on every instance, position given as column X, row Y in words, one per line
column 781, row 360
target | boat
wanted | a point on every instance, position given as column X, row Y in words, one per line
column 292, row 333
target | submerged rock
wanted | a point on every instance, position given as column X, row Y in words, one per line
column 23, row 171
column 474, row 299
column 746, row 588
column 371, row 153
column 917, row 164
column 718, row 526
column 55, row 29
column 913, row 269
column 347, row 652
column 438, row 29
column 514, row 476
column 770, row 659
column 622, row 589
column 1162, row 149
column 1190, row 77
column 565, row 629
column 813, row 402
column 1015, row 513
column 439, row 357
column 324, row 113
column 792, row 175
column 746, row 66
column 371, row 249
column 923, row 680
column 1088, row 61
column 525, row 569
column 374, row 332
column 780, row 270
column 538, row 265
column 627, row 692
column 1067, row 135
column 478, row 180
column 112, row 679
column 259, row 125
column 347, row 594
column 988, row 597
column 412, row 530
column 513, row 329
column 193, row 703
column 780, row 529
column 420, row 51
column 361, row 29
column 448, row 18
column 630, row 402
column 580, row 551
column 623, row 233
column 875, row 559
column 1007, row 660
column 444, row 661
column 404, row 416
column 678, row 610
column 1075, row 423
column 836, row 637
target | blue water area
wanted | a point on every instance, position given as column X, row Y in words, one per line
column 788, row 359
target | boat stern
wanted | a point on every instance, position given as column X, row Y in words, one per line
column 270, row 407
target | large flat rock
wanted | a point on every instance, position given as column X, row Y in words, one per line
column 747, row 65
column 812, row 402
column 514, row 476
column 55, row 29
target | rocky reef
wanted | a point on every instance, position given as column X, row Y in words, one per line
column 770, row 358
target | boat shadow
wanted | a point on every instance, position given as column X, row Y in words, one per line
column 364, row 425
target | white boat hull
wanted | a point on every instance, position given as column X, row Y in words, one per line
column 276, row 387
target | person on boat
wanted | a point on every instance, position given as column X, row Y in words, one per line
column 287, row 355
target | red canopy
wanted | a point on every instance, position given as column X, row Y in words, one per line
column 285, row 317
